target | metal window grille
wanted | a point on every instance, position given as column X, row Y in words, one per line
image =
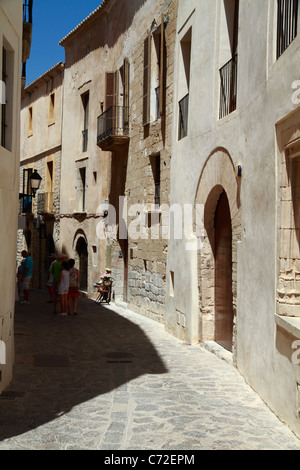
column 287, row 23
column 228, row 91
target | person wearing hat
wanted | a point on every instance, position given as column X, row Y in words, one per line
column 50, row 282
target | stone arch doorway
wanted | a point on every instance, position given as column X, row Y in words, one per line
column 82, row 252
column 218, row 191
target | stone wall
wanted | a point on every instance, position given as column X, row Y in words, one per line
column 147, row 257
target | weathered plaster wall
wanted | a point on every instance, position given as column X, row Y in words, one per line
column 11, row 31
column 248, row 136
column 41, row 136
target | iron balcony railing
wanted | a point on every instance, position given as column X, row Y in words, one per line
column 113, row 122
column 228, row 91
column 287, row 22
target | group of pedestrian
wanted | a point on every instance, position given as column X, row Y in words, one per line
column 63, row 284
column 24, row 276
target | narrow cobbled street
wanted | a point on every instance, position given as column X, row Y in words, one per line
column 109, row 379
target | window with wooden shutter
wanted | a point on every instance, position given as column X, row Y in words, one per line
column 85, row 102
column 184, row 84
column 109, row 89
column 146, row 81
column 162, row 69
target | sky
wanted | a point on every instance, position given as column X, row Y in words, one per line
column 52, row 21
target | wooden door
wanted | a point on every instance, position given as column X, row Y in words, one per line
column 223, row 274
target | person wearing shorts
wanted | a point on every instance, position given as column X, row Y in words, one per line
column 63, row 287
column 27, row 268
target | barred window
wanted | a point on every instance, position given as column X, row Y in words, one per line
column 287, row 22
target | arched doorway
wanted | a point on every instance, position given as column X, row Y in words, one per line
column 82, row 251
column 223, row 274
column 219, row 193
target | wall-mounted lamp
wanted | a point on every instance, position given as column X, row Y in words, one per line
column 32, row 184
column 238, row 171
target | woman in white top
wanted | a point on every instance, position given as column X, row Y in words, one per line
column 63, row 287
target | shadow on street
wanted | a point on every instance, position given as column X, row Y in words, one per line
column 61, row 362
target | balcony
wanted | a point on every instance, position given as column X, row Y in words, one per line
column 25, row 205
column 27, row 29
column 228, row 91
column 113, row 128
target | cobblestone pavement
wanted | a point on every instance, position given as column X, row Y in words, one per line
column 110, row 379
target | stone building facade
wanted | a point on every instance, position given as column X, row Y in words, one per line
column 41, row 128
column 233, row 278
column 117, row 147
column 11, row 58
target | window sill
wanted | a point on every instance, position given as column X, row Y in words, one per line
column 290, row 324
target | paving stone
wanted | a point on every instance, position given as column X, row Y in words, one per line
column 165, row 395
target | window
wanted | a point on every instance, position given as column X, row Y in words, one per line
column 287, row 22
column 52, row 108
column 154, row 74
column 184, row 81
column 26, row 201
column 183, row 117
column 228, row 57
column 49, row 188
column 81, row 190
column 155, row 166
column 146, row 81
column 124, row 91
column 85, row 102
column 7, row 104
column 3, row 115
column 30, row 120
column 115, row 120
column 171, row 283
